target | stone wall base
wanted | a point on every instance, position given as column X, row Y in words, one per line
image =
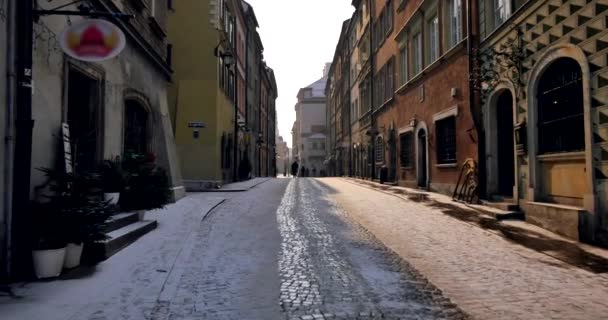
column 201, row 185
column 571, row 222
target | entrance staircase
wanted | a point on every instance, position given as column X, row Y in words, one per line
column 122, row 230
column 507, row 208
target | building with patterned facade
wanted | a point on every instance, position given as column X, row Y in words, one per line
column 544, row 94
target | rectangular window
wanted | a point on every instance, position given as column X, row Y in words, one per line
column 433, row 31
column 389, row 17
column 446, row 140
column 417, row 39
column 403, row 65
column 455, row 22
column 153, row 8
column 502, row 11
column 390, row 81
column 406, row 154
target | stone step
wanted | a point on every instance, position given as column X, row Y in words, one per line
column 117, row 240
column 504, row 206
column 120, row 220
column 499, row 214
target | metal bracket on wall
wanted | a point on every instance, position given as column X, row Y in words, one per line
column 83, row 11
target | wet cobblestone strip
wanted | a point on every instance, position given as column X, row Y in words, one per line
column 332, row 268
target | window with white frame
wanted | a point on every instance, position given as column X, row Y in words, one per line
column 433, row 38
column 455, row 17
column 502, row 11
column 417, row 52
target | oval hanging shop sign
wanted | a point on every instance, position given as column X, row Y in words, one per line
column 93, row 40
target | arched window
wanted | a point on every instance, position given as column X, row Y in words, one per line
column 379, row 150
column 561, row 126
column 136, row 128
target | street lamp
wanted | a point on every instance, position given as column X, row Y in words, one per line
column 228, row 59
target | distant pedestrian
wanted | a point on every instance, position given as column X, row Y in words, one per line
column 314, row 172
column 294, row 169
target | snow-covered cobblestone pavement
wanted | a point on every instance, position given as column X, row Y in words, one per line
column 282, row 250
column 317, row 249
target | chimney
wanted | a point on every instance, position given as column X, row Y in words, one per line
column 326, row 69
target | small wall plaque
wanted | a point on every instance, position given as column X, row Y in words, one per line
column 196, row 124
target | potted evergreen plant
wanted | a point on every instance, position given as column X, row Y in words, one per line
column 148, row 187
column 49, row 243
column 113, row 180
column 83, row 213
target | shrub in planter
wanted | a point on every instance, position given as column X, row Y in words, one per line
column 75, row 197
column 113, row 180
column 148, row 186
column 48, row 240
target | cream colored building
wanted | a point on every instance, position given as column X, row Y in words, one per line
column 310, row 127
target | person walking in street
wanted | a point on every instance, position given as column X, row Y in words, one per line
column 294, row 169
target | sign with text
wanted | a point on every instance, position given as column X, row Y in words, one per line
column 93, row 40
column 196, row 124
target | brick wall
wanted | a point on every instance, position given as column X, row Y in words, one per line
column 437, row 84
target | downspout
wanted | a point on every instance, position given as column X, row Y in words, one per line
column 247, row 90
column 235, row 147
column 9, row 143
column 21, row 219
column 349, row 123
column 472, row 11
column 259, row 121
column 372, row 159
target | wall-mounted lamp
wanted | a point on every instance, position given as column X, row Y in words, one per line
column 227, row 56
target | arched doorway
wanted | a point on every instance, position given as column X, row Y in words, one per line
column 422, row 155
column 137, row 128
column 560, row 135
column 505, row 155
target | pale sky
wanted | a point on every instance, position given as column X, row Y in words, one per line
column 299, row 37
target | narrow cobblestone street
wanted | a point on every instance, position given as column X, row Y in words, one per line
column 315, row 249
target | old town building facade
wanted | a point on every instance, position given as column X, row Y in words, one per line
column 513, row 90
column 310, row 128
column 108, row 109
column 219, row 128
column 546, row 111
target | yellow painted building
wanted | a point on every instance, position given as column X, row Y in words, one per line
column 202, row 93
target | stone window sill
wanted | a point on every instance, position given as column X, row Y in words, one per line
column 447, row 165
column 562, row 156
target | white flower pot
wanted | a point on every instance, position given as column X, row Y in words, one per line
column 48, row 263
column 112, row 197
column 73, row 253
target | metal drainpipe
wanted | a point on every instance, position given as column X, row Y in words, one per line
column 235, row 148
column 373, row 122
column 350, row 126
column 247, row 89
column 474, row 101
column 21, row 219
column 9, row 142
